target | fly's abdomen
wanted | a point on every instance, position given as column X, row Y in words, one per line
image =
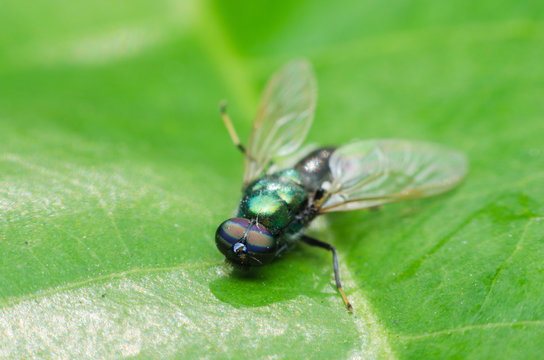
column 274, row 200
column 314, row 169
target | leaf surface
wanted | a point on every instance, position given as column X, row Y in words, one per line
column 115, row 171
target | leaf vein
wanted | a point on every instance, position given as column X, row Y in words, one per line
column 539, row 322
column 501, row 267
column 136, row 271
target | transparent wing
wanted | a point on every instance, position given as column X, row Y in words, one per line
column 374, row 172
column 289, row 161
column 284, row 118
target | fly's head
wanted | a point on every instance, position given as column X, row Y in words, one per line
column 245, row 242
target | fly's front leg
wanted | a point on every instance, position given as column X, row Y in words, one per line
column 314, row 242
column 282, row 249
column 230, row 128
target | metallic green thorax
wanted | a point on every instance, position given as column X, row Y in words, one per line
column 274, row 200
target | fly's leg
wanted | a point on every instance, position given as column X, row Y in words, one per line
column 314, row 242
column 233, row 135
column 282, row 249
column 230, row 128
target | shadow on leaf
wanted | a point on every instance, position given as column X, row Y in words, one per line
column 302, row 272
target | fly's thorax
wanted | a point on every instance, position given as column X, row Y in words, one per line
column 245, row 242
column 274, row 200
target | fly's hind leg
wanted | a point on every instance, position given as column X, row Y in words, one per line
column 314, row 242
column 233, row 135
column 230, row 128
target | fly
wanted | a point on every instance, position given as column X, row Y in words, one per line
column 285, row 190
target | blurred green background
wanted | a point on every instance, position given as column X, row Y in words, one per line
column 115, row 171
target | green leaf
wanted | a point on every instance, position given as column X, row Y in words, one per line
column 115, row 171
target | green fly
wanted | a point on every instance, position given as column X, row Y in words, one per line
column 285, row 187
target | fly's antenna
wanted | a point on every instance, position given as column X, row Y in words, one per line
column 252, row 223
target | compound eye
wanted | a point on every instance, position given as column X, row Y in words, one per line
column 231, row 231
column 259, row 240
